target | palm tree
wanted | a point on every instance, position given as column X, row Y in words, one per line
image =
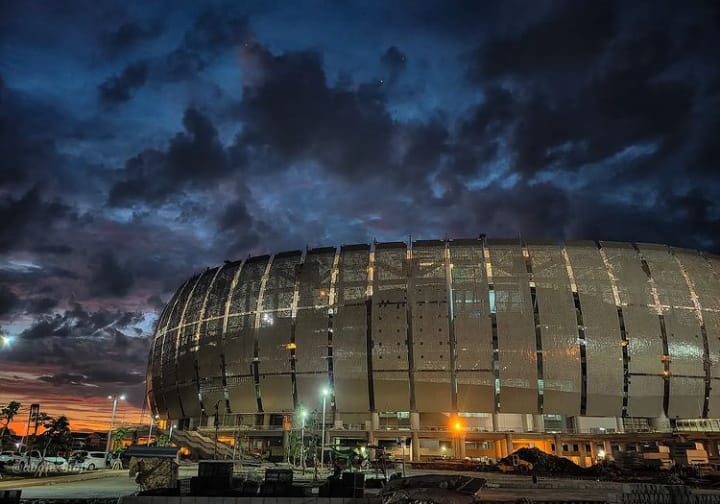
column 7, row 414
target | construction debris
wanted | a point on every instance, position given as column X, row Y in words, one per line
column 546, row 464
column 154, row 472
column 432, row 488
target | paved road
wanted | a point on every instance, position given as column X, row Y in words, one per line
column 113, row 486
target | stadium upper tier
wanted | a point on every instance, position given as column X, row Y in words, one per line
column 474, row 325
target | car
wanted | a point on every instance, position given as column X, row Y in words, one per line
column 94, row 460
column 28, row 461
column 8, row 458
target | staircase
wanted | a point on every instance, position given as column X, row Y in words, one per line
column 201, row 446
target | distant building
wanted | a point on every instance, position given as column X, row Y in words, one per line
column 535, row 340
column 89, row 440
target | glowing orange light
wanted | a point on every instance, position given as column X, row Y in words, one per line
column 291, row 346
column 457, row 425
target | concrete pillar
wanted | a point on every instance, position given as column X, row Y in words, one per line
column 508, row 444
column 538, row 423
column 499, row 444
column 371, row 442
column 375, row 420
column 266, row 420
column 526, row 425
column 496, row 422
column 461, row 447
column 414, row 420
column 338, row 423
column 415, row 446
column 583, row 453
column 660, row 424
column 558, row 446
column 620, row 427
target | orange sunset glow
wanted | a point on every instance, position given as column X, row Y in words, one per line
column 87, row 407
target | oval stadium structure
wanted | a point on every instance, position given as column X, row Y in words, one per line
column 525, row 338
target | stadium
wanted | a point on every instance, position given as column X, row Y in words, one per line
column 473, row 347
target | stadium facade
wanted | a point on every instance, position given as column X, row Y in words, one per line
column 512, row 340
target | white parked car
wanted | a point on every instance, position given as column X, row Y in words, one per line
column 28, row 461
column 8, row 457
column 94, row 460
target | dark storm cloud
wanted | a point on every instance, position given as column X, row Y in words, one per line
column 195, row 158
column 292, row 113
column 63, row 379
column 129, row 35
column 394, row 61
column 27, row 217
column 40, row 305
column 8, row 301
column 585, row 82
column 110, row 277
column 78, row 323
column 213, row 32
column 569, row 36
column 120, row 88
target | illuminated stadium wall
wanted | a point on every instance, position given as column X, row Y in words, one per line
column 489, row 326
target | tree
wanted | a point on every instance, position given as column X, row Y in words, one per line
column 118, row 435
column 56, row 435
column 6, row 415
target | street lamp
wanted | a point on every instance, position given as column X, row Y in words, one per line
column 325, row 393
column 112, row 418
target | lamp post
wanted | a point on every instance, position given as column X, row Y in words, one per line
column 112, row 418
column 303, row 414
column 217, row 425
column 325, row 393
column 152, row 422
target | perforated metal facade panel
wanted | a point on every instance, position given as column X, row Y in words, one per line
column 389, row 328
column 645, row 341
column 270, row 332
column 350, row 335
column 516, row 329
column 473, row 332
column 602, row 330
column 558, row 330
column 240, row 336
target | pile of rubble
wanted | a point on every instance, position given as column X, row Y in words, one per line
column 546, row 464
column 154, row 472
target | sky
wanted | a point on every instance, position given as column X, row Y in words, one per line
column 141, row 142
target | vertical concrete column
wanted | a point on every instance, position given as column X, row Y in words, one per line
column 461, row 446
column 583, row 453
column 620, row 426
column 415, row 446
column 499, row 448
column 266, row 420
column 558, row 446
column 526, row 425
column 414, row 420
column 496, row 422
column 508, row 444
column 538, row 423
column 375, row 420
column 337, row 422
